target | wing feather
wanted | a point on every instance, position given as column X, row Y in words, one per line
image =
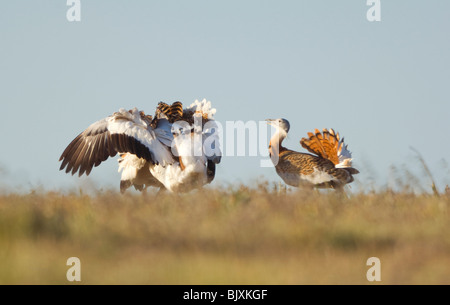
column 78, row 148
column 123, row 132
column 80, row 157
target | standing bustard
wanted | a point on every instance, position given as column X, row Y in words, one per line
column 177, row 149
column 329, row 167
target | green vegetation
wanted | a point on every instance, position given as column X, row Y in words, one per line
column 233, row 236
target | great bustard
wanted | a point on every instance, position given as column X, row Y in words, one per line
column 177, row 149
column 329, row 167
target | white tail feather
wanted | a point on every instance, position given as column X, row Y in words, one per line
column 203, row 107
column 344, row 155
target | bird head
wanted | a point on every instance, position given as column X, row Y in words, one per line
column 280, row 124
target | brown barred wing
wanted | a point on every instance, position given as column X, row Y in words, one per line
column 296, row 168
column 88, row 149
column 123, row 132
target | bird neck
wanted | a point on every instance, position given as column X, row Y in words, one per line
column 275, row 143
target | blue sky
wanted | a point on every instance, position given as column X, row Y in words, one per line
column 382, row 85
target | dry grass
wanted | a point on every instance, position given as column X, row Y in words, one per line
column 234, row 236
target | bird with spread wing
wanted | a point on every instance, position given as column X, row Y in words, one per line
column 177, row 149
column 329, row 165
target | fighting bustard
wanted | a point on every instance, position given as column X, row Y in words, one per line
column 177, row 149
column 329, row 167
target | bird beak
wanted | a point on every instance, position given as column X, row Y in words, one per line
column 271, row 122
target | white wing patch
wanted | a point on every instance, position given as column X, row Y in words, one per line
column 135, row 127
column 129, row 165
column 190, row 148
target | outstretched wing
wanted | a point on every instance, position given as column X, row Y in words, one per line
column 122, row 132
column 328, row 145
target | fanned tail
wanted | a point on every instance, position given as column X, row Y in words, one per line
column 328, row 145
column 172, row 112
column 176, row 112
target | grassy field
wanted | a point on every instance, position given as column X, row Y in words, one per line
column 233, row 236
